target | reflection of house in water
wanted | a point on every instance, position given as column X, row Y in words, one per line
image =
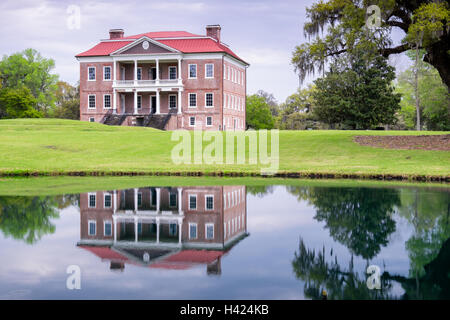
column 152, row 227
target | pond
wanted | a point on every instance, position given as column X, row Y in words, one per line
column 228, row 242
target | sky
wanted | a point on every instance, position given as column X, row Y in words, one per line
column 264, row 33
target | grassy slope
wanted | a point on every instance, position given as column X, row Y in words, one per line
column 48, row 145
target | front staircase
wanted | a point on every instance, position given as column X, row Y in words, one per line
column 157, row 121
column 113, row 119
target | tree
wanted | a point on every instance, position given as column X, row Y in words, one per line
column 17, row 103
column 335, row 27
column 357, row 91
column 29, row 69
column 434, row 107
column 270, row 100
column 67, row 101
column 258, row 113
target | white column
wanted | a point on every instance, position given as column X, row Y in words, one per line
column 114, row 71
column 115, row 229
column 157, row 230
column 179, row 70
column 135, row 102
column 114, row 101
column 157, row 102
column 157, row 71
column 179, row 101
column 135, row 72
column 115, row 201
column 180, row 224
column 135, row 229
column 135, row 200
column 179, row 200
column 158, row 192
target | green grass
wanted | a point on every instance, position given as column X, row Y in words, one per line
column 49, row 146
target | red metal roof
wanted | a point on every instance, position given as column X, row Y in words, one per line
column 195, row 45
column 105, row 253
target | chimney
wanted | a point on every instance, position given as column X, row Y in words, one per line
column 115, row 34
column 213, row 31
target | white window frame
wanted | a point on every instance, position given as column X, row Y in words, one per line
column 189, row 71
column 176, row 102
column 224, row 72
column 209, row 125
column 89, row 200
column 189, row 100
column 89, row 101
column 89, row 227
column 206, row 230
column 196, row 231
column 195, row 121
column 139, row 197
column 104, row 228
column 206, row 201
column 176, row 72
column 104, row 200
column 95, row 73
column 176, row 199
column 110, row 102
column 91, row 119
column 196, row 203
column 139, row 97
column 150, row 73
column 104, row 73
column 212, row 94
column 229, row 73
column 176, row 228
column 137, row 73
column 206, row 70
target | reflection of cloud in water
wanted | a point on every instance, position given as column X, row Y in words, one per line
column 15, row 294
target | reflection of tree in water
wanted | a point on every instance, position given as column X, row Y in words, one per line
column 359, row 218
column 259, row 191
column 29, row 218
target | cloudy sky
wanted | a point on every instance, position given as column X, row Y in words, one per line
column 264, row 33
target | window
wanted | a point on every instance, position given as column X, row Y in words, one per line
column 209, row 121
column 209, row 202
column 209, row 231
column 209, row 70
column 92, row 228
column 172, row 229
column 107, row 228
column 92, row 200
column 107, row 101
column 139, row 102
column 209, row 100
column 107, row 200
column 192, row 231
column 172, row 73
column 193, row 202
column 229, row 73
column 153, row 194
column 106, row 73
column 152, row 74
column 172, row 199
column 91, row 104
column 139, row 227
column 192, row 71
column 172, row 101
column 224, row 72
column 192, row 100
column 91, row 119
column 192, row 121
column 139, row 199
column 91, row 74
column 139, row 73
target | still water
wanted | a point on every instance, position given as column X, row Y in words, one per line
column 228, row 242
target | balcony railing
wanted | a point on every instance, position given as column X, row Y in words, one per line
column 147, row 83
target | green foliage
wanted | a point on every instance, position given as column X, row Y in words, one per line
column 357, row 92
column 67, row 101
column 433, row 94
column 30, row 70
column 17, row 103
column 258, row 113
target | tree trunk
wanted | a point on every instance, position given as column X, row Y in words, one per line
column 438, row 56
column 416, row 90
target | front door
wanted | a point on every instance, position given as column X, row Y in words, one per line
column 153, row 104
column 122, row 103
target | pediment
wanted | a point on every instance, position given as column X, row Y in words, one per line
column 144, row 46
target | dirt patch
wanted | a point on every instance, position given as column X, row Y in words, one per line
column 433, row 142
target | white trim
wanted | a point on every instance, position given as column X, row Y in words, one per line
column 176, row 199
column 189, row 100
column 95, row 73
column 206, row 207
column 95, row 101
column 110, row 102
column 206, row 230
column 104, row 200
column 89, row 227
column 209, row 64
column 189, row 199
column 196, row 231
column 206, row 106
column 195, row 121
column 142, row 39
column 176, row 102
column 92, row 59
column 104, row 228
column 89, row 199
column 110, row 73
column 176, row 72
column 189, row 71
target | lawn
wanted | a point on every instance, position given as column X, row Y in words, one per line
column 50, row 146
